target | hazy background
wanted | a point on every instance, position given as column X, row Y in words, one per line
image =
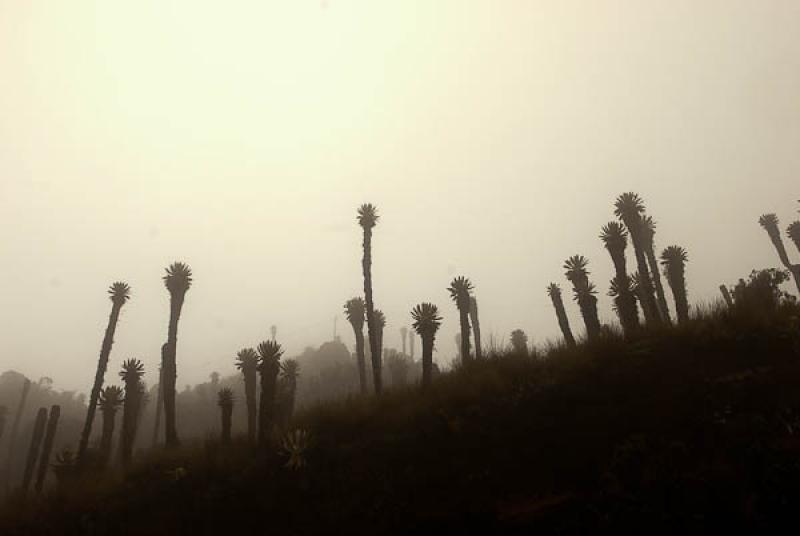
column 493, row 135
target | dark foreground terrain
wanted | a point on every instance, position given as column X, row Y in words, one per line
column 688, row 429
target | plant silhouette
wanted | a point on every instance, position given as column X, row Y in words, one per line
column 247, row 363
column 33, row 449
column 111, row 398
column 554, row 291
column 269, row 366
column 367, row 219
column 649, row 233
column 131, row 374
column 119, row 293
column 674, row 259
column 426, row 324
column 615, row 238
column 770, row 223
column 12, row 439
column 476, row 326
column 519, row 342
column 47, row 448
column 461, row 293
column 178, row 280
column 584, row 293
column 629, row 208
column 355, row 311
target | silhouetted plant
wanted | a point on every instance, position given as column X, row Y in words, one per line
column 290, row 372
column 411, row 343
column 131, row 374
column 461, row 293
column 120, row 294
column 426, row 324
column 270, row 353
column 674, row 259
column 12, row 438
column 519, row 342
column 367, row 219
column 247, row 363
column 623, row 291
column 295, row 445
column 111, row 399
column 648, row 233
column 770, row 223
column 615, row 238
column 476, row 326
column 225, row 402
column 761, row 295
column 47, row 448
column 355, row 310
column 554, row 291
column 33, row 450
column 578, row 275
column 178, row 280
column 629, row 208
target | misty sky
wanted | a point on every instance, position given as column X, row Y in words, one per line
column 493, row 136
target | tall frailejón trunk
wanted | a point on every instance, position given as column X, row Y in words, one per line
column 159, row 397
column 47, row 448
column 427, row 361
column 102, row 366
column 726, row 295
column 372, row 331
column 106, row 440
column 361, row 360
column 661, row 300
column 463, row 313
column 646, row 291
column 476, row 327
column 563, row 320
column 227, row 417
column 266, row 413
column 250, row 391
column 170, row 372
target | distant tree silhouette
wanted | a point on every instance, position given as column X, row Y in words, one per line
column 411, row 343
column 476, row 326
column 584, row 291
column 770, row 223
column 629, row 208
column 33, row 450
column 3, row 417
column 674, row 259
column 649, row 233
column 270, row 353
column 615, row 238
column 120, row 293
column 111, row 399
column 355, row 310
column 178, row 280
column 12, row 438
column 47, row 448
column 461, row 293
column 554, row 291
column 367, row 219
column 247, row 363
column 273, row 331
column 403, row 336
column 225, row 403
column 519, row 342
column 290, row 372
column 399, row 367
column 426, row 324
column 131, row 374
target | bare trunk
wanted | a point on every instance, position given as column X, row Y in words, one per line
column 563, row 320
column 12, row 439
column 372, row 331
column 266, row 413
column 250, row 389
column 464, row 318
column 33, row 451
column 102, row 365
column 427, row 361
column 663, row 309
column 476, row 327
column 159, row 397
column 170, row 372
column 227, row 415
column 106, row 441
column 47, row 449
column 726, row 295
column 361, row 360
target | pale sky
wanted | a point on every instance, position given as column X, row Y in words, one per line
column 493, row 135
